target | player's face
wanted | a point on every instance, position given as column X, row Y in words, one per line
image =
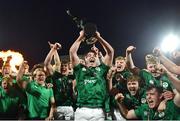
column 4, row 84
column 6, row 70
column 91, row 59
column 64, row 69
column 40, row 76
column 151, row 68
column 120, row 64
column 133, row 87
column 153, row 98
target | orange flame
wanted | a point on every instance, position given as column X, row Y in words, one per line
column 17, row 58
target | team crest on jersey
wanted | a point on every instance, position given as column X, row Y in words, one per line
column 162, row 114
column 143, row 100
column 165, row 85
column 69, row 81
column 98, row 69
column 145, row 113
column 151, row 81
column 83, row 69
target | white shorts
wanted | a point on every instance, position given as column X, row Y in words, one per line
column 89, row 114
column 66, row 112
column 118, row 115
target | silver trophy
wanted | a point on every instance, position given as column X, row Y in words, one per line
column 89, row 29
column 90, row 33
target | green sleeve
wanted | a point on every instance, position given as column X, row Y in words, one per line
column 2, row 93
column 172, row 111
column 170, row 85
column 14, row 81
column 77, row 67
column 138, row 112
column 71, row 77
column 49, row 79
column 126, row 74
column 105, row 67
column 176, row 108
column 143, row 74
column 147, row 78
column 32, row 89
column 56, row 75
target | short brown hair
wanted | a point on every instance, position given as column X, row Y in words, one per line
column 151, row 59
column 120, row 58
column 133, row 78
column 6, row 78
column 39, row 69
column 91, row 51
column 40, row 65
column 65, row 62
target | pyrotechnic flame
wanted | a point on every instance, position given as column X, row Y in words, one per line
column 17, row 58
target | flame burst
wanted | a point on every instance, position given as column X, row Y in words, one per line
column 17, row 58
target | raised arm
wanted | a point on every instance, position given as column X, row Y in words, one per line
column 128, row 114
column 57, row 61
column 129, row 59
column 47, row 62
column 166, row 62
column 176, row 83
column 108, row 58
column 74, row 48
column 110, row 75
column 20, row 73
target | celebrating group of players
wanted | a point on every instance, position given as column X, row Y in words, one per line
column 92, row 88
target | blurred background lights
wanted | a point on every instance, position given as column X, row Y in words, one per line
column 170, row 43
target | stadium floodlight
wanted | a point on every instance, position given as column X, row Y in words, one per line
column 170, row 43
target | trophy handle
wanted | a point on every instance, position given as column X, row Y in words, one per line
column 91, row 40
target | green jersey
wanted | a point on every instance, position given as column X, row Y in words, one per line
column 63, row 90
column 119, row 80
column 8, row 105
column 21, row 94
column 172, row 112
column 149, row 79
column 91, row 85
column 38, row 100
column 133, row 102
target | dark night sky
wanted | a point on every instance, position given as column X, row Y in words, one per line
column 27, row 25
